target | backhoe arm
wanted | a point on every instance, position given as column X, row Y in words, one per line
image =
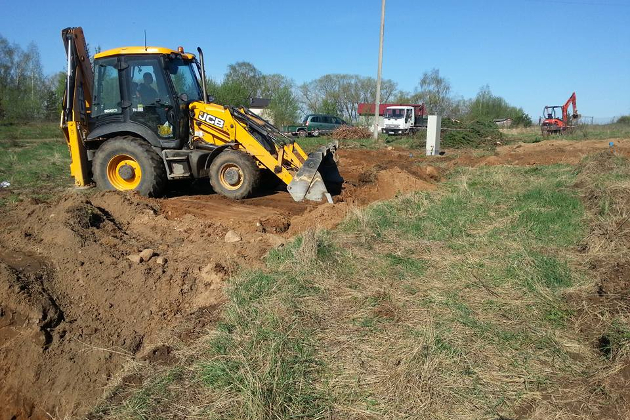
column 565, row 108
column 77, row 102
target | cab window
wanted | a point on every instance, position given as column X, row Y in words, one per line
column 184, row 79
column 107, row 88
column 151, row 102
column 147, row 84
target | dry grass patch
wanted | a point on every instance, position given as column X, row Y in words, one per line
column 468, row 302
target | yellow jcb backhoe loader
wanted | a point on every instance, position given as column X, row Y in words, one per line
column 139, row 118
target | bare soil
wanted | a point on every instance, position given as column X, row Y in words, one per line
column 545, row 153
column 74, row 309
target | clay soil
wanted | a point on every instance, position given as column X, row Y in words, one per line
column 74, row 309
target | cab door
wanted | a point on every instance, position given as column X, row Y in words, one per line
column 408, row 118
column 149, row 92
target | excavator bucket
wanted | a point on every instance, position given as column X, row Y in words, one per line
column 318, row 177
column 308, row 177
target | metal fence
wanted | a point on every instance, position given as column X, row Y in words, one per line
column 588, row 120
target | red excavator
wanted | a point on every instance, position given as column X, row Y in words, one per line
column 556, row 119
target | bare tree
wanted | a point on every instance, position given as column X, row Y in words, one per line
column 284, row 106
column 341, row 94
column 435, row 92
column 22, row 84
column 246, row 75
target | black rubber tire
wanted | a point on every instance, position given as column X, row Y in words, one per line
column 250, row 174
column 302, row 133
column 153, row 180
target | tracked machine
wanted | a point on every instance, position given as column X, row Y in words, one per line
column 139, row 117
column 556, row 119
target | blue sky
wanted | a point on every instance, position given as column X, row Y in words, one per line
column 531, row 52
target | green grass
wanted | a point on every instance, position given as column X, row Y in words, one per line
column 34, row 168
column 584, row 132
column 261, row 361
column 262, row 358
column 416, row 141
column 141, row 406
column 29, row 131
column 449, row 304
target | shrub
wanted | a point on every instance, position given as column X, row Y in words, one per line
column 470, row 134
column 625, row 119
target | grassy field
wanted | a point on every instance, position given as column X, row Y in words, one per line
column 34, row 168
column 29, row 131
column 409, row 142
column 468, row 302
column 583, row 132
column 453, row 140
column 442, row 305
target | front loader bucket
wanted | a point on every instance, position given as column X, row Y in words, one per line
column 318, row 177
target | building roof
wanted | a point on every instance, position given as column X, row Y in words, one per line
column 259, row 102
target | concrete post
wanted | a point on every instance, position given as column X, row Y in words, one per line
column 434, row 128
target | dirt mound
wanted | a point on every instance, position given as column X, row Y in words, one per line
column 369, row 176
column 347, row 132
column 545, row 153
column 602, row 309
column 603, row 162
column 76, row 306
column 75, row 309
column 607, row 200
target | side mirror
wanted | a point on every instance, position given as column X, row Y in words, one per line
column 183, row 97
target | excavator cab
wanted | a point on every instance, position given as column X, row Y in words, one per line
column 550, row 112
column 136, row 91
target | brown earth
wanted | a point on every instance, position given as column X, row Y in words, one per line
column 74, row 309
column 544, row 153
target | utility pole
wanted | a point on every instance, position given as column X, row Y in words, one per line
column 377, row 105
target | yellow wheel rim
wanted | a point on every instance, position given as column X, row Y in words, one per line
column 124, row 172
column 231, row 176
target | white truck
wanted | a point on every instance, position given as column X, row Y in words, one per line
column 403, row 119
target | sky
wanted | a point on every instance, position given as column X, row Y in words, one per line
column 531, row 52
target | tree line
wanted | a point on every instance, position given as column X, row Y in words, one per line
column 341, row 94
column 26, row 94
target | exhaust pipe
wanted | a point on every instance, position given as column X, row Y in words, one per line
column 203, row 76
